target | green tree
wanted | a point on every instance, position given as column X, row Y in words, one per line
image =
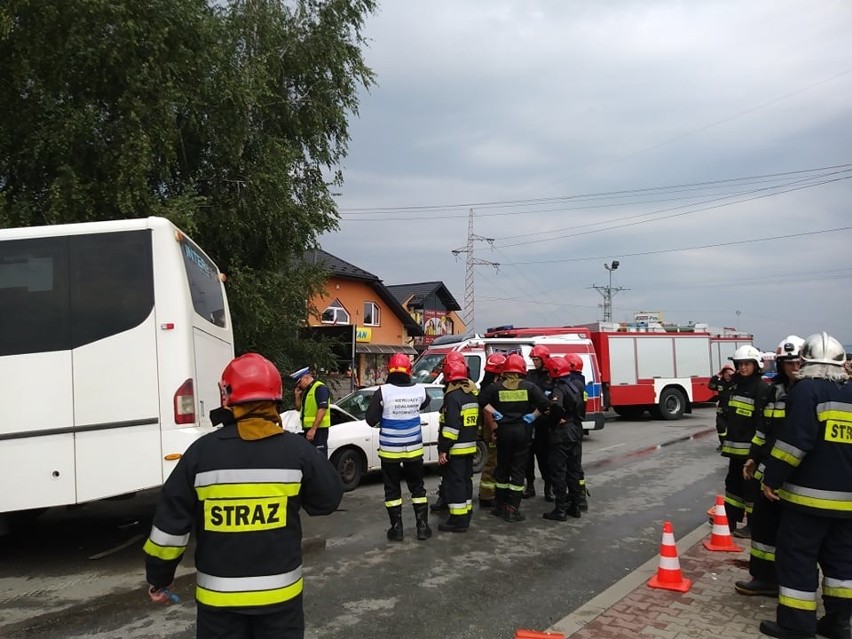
column 230, row 119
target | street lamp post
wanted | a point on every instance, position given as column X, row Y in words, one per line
column 608, row 291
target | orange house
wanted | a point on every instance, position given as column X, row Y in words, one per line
column 358, row 299
column 433, row 307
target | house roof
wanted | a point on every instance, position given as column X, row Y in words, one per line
column 343, row 269
column 416, row 292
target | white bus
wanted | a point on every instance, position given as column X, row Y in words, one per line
column 112, row 339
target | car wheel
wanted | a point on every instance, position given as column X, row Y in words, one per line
column 480, row 457
column 350, row 464
column 672, row 403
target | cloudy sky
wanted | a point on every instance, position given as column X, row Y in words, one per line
column 706, row 146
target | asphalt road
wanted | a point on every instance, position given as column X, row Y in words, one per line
column 79, row 573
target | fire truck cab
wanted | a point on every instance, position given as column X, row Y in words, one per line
column 476, row 349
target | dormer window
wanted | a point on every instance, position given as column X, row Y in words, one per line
column 335, row 313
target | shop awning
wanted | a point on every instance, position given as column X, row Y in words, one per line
column 385, row 348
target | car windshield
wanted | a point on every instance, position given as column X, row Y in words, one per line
column 356, row 403
column 427, row 368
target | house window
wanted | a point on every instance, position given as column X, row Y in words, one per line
column 335, row 313
column 372, row 316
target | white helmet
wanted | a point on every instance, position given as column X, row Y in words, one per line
column 789, row 348
column 822, row 348
column 748, row 353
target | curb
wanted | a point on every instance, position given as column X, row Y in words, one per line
column 593, row 608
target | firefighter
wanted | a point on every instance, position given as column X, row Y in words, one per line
column 516, row 403
column 396, row 406
column 721, row 382
column 565, row 432
column 809, row 471
column 440, row 502
column 575, row 365
column 459, row 420
column 241, row 488
column 539, row 376
column 743, row 412
column 493, row 368
column 764, row 516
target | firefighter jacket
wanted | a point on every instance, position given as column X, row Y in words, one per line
column 316, row 397
column 566, row 402
column 767, row 428
column 810, row 465
column 742, row 413
column 242, row 497
column 541, row 378
column 396, row 407
column 459, row 419
column 514, row 397
column 723, row 391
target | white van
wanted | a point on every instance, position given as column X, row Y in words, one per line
column 112, row 339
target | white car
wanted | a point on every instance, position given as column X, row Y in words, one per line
column 353, row 445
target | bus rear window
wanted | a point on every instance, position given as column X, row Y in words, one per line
column 204, row 284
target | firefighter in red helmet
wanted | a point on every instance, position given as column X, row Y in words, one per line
column 241, row 487
column 576, row 377
column 516, row 403
column 493, row 369
column 459, row 420
column 565, row 432
column 440, row 503
column 539, row 354
column 395, row 407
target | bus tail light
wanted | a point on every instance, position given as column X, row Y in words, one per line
column 185, row 403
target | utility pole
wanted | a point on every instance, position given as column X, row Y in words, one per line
column 608, row 291
column 470, row 263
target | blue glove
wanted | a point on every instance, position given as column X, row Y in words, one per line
column 529, row 418
column 497, row 415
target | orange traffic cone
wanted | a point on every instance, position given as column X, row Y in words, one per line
column 668, row 574
column 534, row 634
column 721, row 538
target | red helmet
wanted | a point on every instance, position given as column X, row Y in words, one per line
column 399, row 363
column 542, row 352
column 456, row 357
column 557, row 367
column 515, row 364
column 454, row 369
column 250, row 378
column 575, row 362
column 494, row 363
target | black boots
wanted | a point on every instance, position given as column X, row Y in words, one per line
column 772, row 629
column 440, row 503
column 756, row 587
column 582, row 502
column 456, row 523
column 560, row 510
column 834, row 626
column 548, row 493
column 395, row 531
column 421, row 513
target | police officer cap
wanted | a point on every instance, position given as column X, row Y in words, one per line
column 299, row 374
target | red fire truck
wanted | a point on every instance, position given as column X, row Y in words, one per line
column 663, row 369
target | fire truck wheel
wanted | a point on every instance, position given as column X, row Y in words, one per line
column 672, row 403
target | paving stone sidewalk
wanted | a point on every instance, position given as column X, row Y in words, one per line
column 711, row 608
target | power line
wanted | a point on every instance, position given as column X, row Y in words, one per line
column 566, row 198
column 683, row 249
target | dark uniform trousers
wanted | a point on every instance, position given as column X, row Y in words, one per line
column 225, row 624
column 740, row 493
column 810, row 540
column 513, row 446
column 458, row 485
column 411, row 470
column 564, row 462
column 764, row 520
column 538, row 452
column 320, row 441
column 486, row 478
